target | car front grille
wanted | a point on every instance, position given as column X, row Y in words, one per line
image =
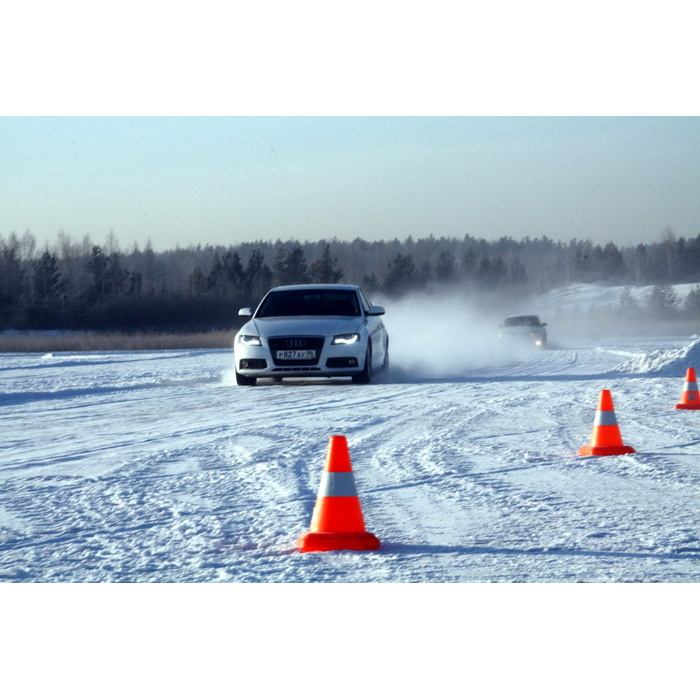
column 296, row 343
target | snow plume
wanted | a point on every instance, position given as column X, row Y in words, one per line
column 436, row 336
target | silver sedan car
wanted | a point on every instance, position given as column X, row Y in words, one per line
column 312, row 330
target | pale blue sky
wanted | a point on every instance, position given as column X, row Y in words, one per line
column 225, row 180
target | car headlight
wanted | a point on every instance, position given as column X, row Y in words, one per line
column 249, row 340
column 345, row 339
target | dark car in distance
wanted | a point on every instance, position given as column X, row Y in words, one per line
column 527, row 329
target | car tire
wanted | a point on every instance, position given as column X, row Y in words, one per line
column 365, row 376
column 385, row 364
column 243, row 380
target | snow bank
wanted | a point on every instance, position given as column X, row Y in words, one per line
column 575, row 297
column 665, row 363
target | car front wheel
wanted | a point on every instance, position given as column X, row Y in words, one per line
column 365, row 377
column 385, row 364
column 243, row 380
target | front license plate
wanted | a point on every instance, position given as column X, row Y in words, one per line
column 296, row 354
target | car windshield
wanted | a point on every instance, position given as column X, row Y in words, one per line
column 310, row 302
column 522, row 321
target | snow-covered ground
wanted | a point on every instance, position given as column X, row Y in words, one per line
column 156, row 467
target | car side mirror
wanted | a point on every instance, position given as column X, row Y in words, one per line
column 543, row 324
column 246, row 311
column 376, row 311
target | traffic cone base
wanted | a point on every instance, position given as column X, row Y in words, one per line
column 606, row 439
column 330, row 541
column 593, row 451
column 690, row 399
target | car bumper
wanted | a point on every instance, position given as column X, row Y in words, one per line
column 331, row 361
column 525, row 338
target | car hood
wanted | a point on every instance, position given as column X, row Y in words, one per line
column 302, row 325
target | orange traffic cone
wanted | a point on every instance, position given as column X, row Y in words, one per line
column 690, row 398
column 337, row 521
column 606, row 438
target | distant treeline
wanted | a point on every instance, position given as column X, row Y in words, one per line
column 83, row 285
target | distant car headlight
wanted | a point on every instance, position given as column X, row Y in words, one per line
column 345, row 339
column 249, row 340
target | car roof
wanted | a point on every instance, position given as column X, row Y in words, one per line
column 526, row 318
column 300, row 287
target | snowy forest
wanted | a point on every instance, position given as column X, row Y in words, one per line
column 81, row 285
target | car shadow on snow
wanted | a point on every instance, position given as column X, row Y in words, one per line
column 400, row 377
column 683, row 554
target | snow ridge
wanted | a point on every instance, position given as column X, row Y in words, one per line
column 663, row 363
